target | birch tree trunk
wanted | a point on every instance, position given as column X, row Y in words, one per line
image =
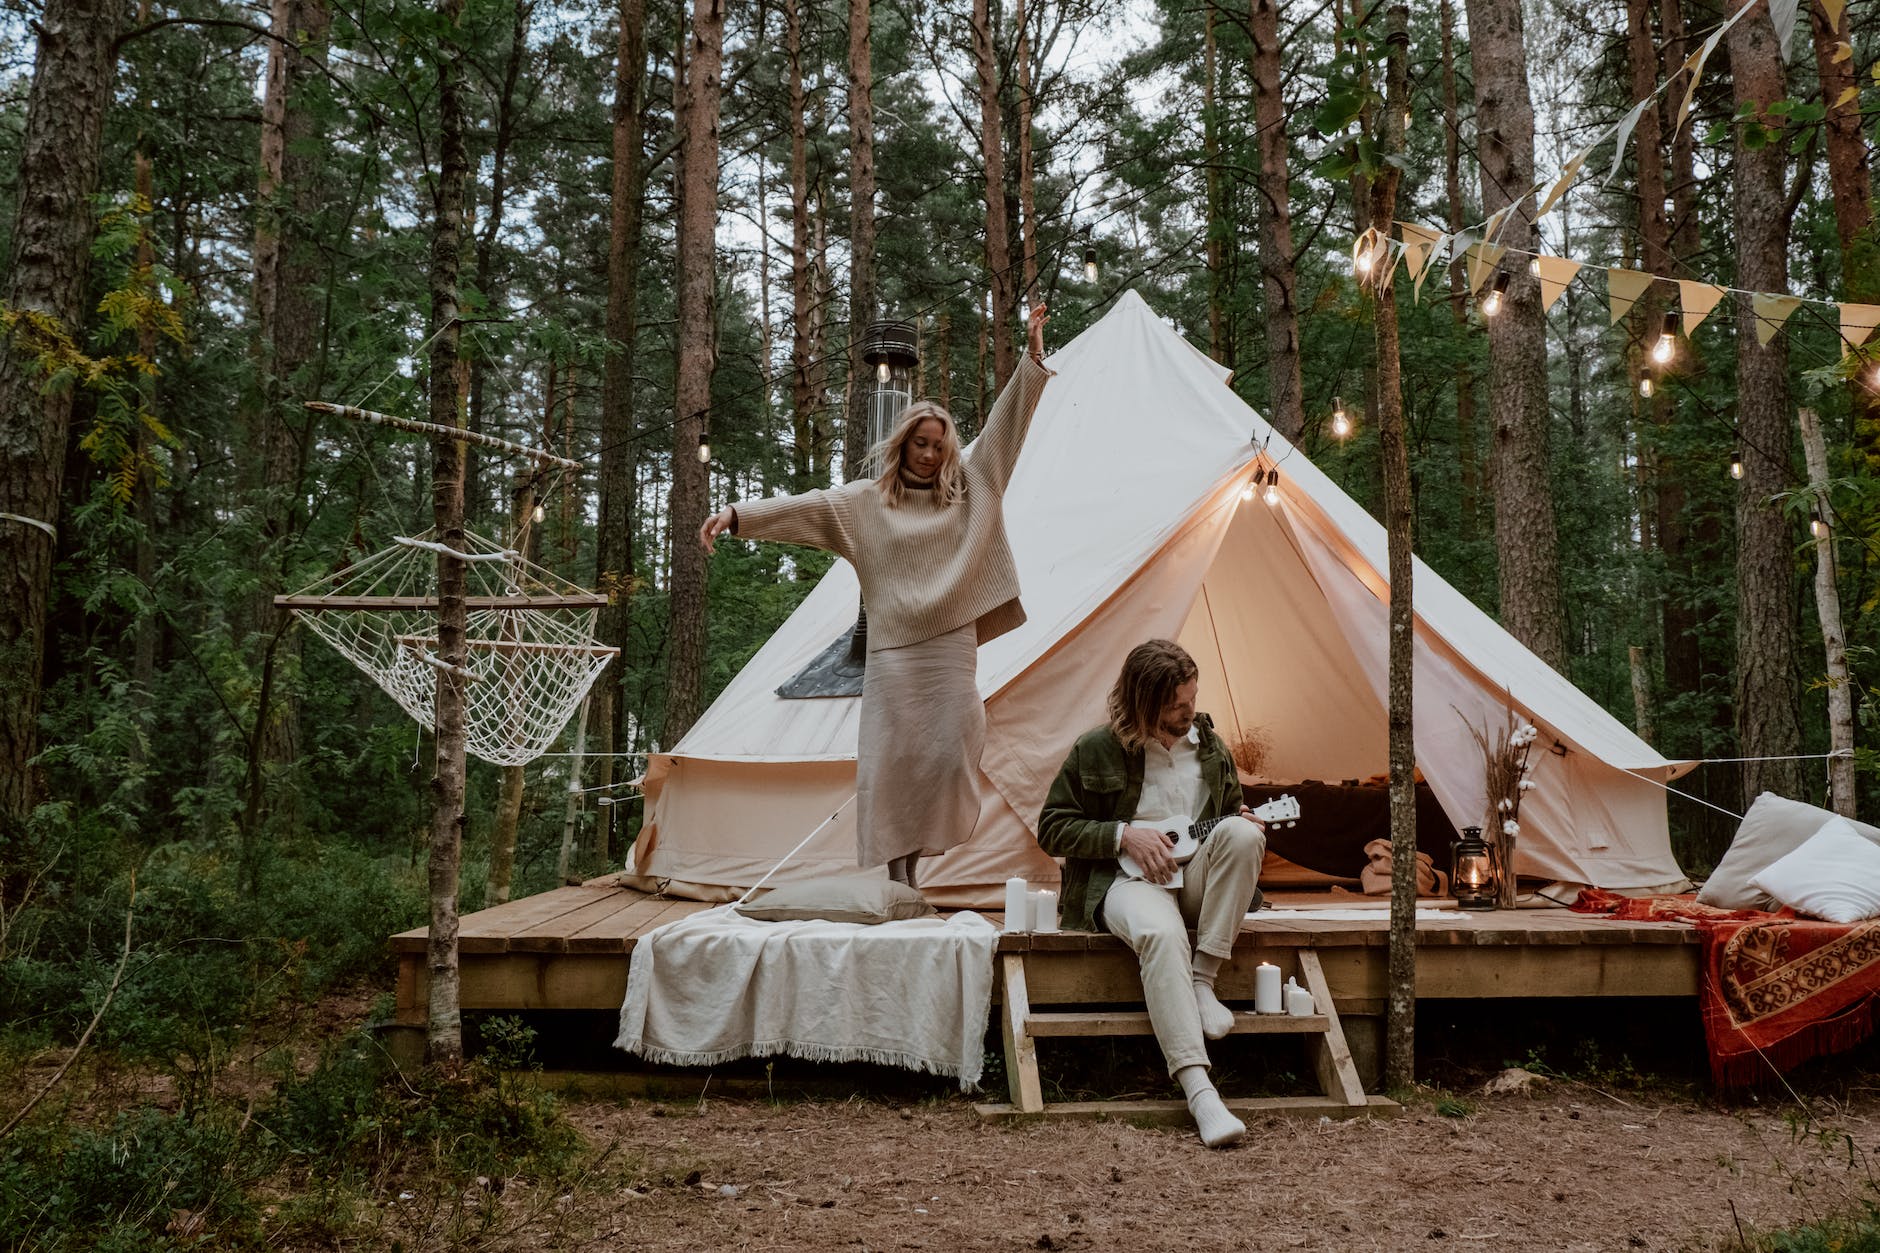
column 74, row 67
column 619, row 454
column 692, row 389
column 855, row 438
column 998, row 238
column 1468, row 467
column 444, row 1033
column 1399, row 520
column 1526, row 545
column 1767, row 692
column 1833, row 634
column 1279, row 281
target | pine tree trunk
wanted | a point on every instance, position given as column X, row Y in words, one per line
column 1399, row 522
column 692, row 390
column 1767, row 693
column 998, row 231
column 73, row 71
column 1279, row 280
column 803, row 384
column 1526, row 544
column 1027, row 200
column 444, row 1037
column 613, row 546
column 856, row 435
column 1468, row 466
column 1218, row 227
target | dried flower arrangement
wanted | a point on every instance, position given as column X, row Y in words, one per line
column 1505, row 782
column 1249, row 750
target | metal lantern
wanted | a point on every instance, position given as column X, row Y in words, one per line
column 891, row 352
column 1472, row 871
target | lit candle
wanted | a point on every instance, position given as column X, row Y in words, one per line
column 1266, row 989
column 1017, row 906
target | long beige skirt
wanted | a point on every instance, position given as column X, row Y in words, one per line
column 917, row 763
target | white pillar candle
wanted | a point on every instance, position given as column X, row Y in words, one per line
column 1044, row 913
column 1017, row 905
column 1266, row 995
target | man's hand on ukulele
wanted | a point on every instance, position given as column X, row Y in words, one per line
column 1248, row 815
column 1150, row 850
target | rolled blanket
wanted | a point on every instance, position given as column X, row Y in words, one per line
column 1375, row 877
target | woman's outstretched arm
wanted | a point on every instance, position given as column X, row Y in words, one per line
column 817, row 519
column 1003, row 436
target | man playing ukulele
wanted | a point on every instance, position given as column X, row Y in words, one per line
column 1156, row 757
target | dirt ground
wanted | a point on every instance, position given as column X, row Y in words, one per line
column 1565, row 1167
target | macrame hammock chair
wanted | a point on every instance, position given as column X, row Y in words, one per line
column 530, row 653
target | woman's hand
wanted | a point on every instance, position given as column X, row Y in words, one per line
column 1034, row 327
column 725, row 519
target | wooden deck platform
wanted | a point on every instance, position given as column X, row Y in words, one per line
column 563, row 950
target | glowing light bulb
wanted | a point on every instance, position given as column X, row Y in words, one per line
column 882, row 373
column 1365, row 260
column 704, row 450
column 1246, row 493
column 1645, row 386
column 1817, row 527
column 1407, row 115
column 1271, row 495
column 1090, row 263
column 1667, row 340
column 1736, row 465
column 540, row 513
column 1534, row 266
column 1341, row 425
column 1491, row 305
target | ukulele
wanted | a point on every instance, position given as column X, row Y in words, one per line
column 1281, row 811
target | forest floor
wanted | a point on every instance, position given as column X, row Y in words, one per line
column 1561, row 1167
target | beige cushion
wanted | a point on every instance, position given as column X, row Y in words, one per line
column 1835, row 875
column 848, row 898
column 1772, row 829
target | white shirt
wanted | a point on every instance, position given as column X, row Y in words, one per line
column 1171, row 780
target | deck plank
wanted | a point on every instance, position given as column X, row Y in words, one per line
column 620, row 932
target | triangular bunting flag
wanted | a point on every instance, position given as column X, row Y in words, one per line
column 1771, row 313
column 1695, row 62
column 1626, row 126
column 1697, row 299
column 1783, row 13
column 1623, row 288
column 1833, row 9
column 1568, row 173
column 1420, row 244
column 1482, row 259
column 1556, row 273
column 1491, row 229
column 1858, row 322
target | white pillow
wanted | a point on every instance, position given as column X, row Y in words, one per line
column 1834, row 875
column 1774, row 826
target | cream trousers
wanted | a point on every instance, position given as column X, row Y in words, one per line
column 1217, row 887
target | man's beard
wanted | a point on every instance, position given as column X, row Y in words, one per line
column 1177, row 727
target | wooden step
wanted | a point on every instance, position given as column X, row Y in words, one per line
column 1136, row 1022
column 1175, row 1113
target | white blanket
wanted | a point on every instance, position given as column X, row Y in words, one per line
column 718, row 986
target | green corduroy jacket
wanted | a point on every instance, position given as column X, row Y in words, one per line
column 1097, row 787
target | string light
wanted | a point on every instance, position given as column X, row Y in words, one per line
column 1272, row 488
column 1246, row 493
column 1667, row 340
column 1368, row 252
column 1407, row 115
column 1090, row 263
column 1736, row 465
column 1817, row 526
column 540, row 513
column 1645, row 386
column 1492, row 305
column 704, row 444
column 1534, row 266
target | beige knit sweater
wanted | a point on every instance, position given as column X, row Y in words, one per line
column 925, row 568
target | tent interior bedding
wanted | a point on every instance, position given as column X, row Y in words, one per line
column 1283, row 607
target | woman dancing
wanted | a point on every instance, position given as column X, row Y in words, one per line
column 927, row 540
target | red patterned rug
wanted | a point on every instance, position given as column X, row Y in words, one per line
column 1777, row 989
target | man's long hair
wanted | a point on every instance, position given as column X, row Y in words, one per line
column 949, row 481
column 1151, row 673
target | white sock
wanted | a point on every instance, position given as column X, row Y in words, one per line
column 1217, row 1127
column 1216, row 1019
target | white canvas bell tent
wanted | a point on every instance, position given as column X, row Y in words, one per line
column 1127, row 521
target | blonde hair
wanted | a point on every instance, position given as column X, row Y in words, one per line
column 1151, row 673
column 949, row 481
